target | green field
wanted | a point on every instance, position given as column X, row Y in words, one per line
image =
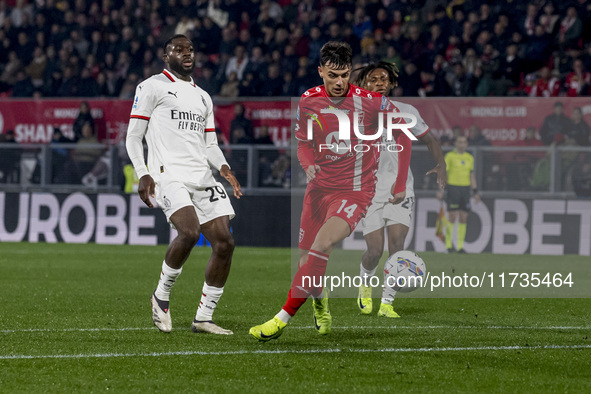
column 77, row 318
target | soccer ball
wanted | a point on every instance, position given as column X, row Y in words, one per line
column 404, row 271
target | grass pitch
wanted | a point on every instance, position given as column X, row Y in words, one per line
column 77, row 318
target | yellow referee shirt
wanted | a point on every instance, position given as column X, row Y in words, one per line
column 459, row 167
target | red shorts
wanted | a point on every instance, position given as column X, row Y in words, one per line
column 320, row 205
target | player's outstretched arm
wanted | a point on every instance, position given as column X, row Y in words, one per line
column 229, row 175
column 435, row 150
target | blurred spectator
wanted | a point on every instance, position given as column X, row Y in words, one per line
column 530, row 138
column 277, row 174
column 549, row 18
column 249, row 85
column 537, row 49
column 579, row 130
column 239, row 137
column 581, row 179
column 289, row 88
column 476, row 138
column 264, row 138
column 69, row 85
column 524, row 163
column 316, row 43
column 9, row 159
column 462, row 84
column 456, row 132
column 273, row 84
column 36, row 69
column 578, row 81
column 508, row 74
column 9, row 75
column 570, row 30
column 546, row 85
column 240, row 121
column 207, row 81
column 237, row 63
column 84, row 117
column 230, row 86
column 410, row 80
column 88, row 86
column 85, row 157
column 528, row 21
column 362, row 22
column 222, row 140
column 59, row 157
column 23, row 86
column 555, row 125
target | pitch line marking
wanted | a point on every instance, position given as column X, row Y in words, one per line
column 312, row 351
column 394, row 327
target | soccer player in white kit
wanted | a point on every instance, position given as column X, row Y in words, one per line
column 396, row 218
column 176, row 117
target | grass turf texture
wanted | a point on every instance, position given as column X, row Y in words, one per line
column 81, row 312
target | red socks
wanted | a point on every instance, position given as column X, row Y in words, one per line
column 308, row 281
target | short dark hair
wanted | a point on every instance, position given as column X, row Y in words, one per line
column 337, row 53
column 390, row 68
column 169, row 41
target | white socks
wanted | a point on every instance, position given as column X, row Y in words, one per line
column 167, row 279
column 388, row 295
column 366, row 274
column 209, row 300
column 283, row 316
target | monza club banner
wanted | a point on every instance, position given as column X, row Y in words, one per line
column 503, row 121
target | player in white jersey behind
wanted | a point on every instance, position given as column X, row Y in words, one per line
column 176, row 117
column 396, row 218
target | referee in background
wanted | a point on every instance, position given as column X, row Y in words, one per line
column 461, row 184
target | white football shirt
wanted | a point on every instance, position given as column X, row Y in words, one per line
column 181, row 132
column 388, row 167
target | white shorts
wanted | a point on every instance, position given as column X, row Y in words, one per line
column 382, row 215
column 209, row 202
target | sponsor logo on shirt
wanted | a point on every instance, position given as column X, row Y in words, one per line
column 188, row 120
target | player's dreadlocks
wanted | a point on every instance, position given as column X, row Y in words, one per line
column 365, row 71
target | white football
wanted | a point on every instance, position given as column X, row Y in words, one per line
column 404, row 271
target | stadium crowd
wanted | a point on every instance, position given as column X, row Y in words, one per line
column 84, row 48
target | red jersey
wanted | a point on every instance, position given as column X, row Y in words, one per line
column 346, row 165
column 575, row 83
column 543, row 88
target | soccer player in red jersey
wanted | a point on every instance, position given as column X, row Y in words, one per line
column 341, row 176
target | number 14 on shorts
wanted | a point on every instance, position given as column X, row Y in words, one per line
column 350, row 210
